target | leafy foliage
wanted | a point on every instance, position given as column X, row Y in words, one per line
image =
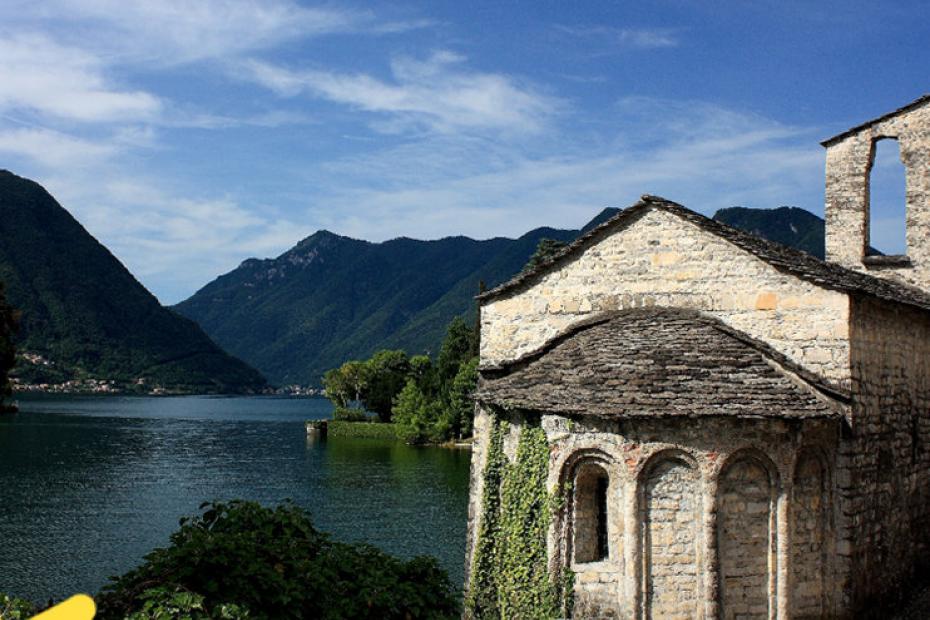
column 510, row 577
column 8, row 326
column 362, row 430
column 12, row 608
column 178, row 604
column 545, row 250
column 461, row 404
column 240, row 556
column 345, row 385
column 484, row 579
column 387, row 375
column 419, row 419
column 428, row 403
column 84, row 311
column 457, row 348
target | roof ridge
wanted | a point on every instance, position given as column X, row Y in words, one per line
column 781, row 257
column 905, row 108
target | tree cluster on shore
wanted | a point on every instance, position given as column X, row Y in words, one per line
column 428, row 401
column 239, row 560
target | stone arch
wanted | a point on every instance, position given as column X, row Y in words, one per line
column 588, row 508
column 746, row 535
column 670, row 512
column 809, row 530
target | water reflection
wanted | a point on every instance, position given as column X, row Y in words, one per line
column 89, row 485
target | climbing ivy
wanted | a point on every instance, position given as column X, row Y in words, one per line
column 482, row 589
column 510, row 576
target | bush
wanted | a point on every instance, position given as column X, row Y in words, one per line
column 275, row 564
column 362, row 430
column 350, row 414
column 12, row 608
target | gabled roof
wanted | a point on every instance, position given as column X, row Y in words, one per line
column 781, row 257
column 659, row 362
column 906, row 108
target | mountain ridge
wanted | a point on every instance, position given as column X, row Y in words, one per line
column 294, row 317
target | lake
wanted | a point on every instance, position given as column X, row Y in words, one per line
column 88, row 485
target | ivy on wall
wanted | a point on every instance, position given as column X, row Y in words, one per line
column 510, row 575
column 483, row 586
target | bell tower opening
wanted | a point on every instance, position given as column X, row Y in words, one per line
column 887, row 200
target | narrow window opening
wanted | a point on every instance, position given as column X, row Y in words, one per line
column 602, row 518
column 887, row 224
column 591, row 533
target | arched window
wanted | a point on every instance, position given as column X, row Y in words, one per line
column 590, row 513
column 886, row 200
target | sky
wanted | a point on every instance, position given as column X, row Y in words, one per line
column 188, row 136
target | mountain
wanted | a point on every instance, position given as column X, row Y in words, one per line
column 87, row 315
column 331, row 298
column 787, row 225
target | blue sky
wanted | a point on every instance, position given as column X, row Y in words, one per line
column 188, row 136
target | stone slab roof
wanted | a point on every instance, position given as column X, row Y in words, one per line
column 659, row 362
column 906, row 108
column 782, row 257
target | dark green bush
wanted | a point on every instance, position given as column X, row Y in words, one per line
column 275, row 564
column 12, row 608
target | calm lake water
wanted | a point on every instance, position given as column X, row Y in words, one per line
column 88, row 485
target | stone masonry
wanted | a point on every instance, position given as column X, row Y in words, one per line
column 745, row 430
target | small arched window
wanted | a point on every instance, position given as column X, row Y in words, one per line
column 590, row 514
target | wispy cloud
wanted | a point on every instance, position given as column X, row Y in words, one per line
column 40, row 76
column 705, row 156
column 625, row 38
column 438, row 93
column 176, row 31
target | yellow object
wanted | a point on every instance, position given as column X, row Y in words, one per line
column 78, row 607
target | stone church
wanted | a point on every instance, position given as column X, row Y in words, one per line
column 739, row 429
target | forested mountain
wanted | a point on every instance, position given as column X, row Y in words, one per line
column 331, row 298
column 87, row 315
column 787, row 225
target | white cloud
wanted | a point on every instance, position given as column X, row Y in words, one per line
column 438, row 93
column 704, row 156
column 54, row 149
column 178, row 31
column 172, row 242
column 625, row 38
column 41, row 76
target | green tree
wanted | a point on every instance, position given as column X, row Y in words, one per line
column 424, row 373
column 457, row 347
column 386, row 375
column 240, row 556
column 546, row 249
column 461, row 404
column 346, row 384
column 419, row 419
column 9, row 320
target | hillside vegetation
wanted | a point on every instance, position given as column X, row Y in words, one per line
column 84, row 315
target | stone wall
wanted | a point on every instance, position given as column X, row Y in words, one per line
column 671, row 520
column 663, row 260
column 884, row 476
column 849, row 162
column 744, row 539
column 808, row 543
column 665, row 508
